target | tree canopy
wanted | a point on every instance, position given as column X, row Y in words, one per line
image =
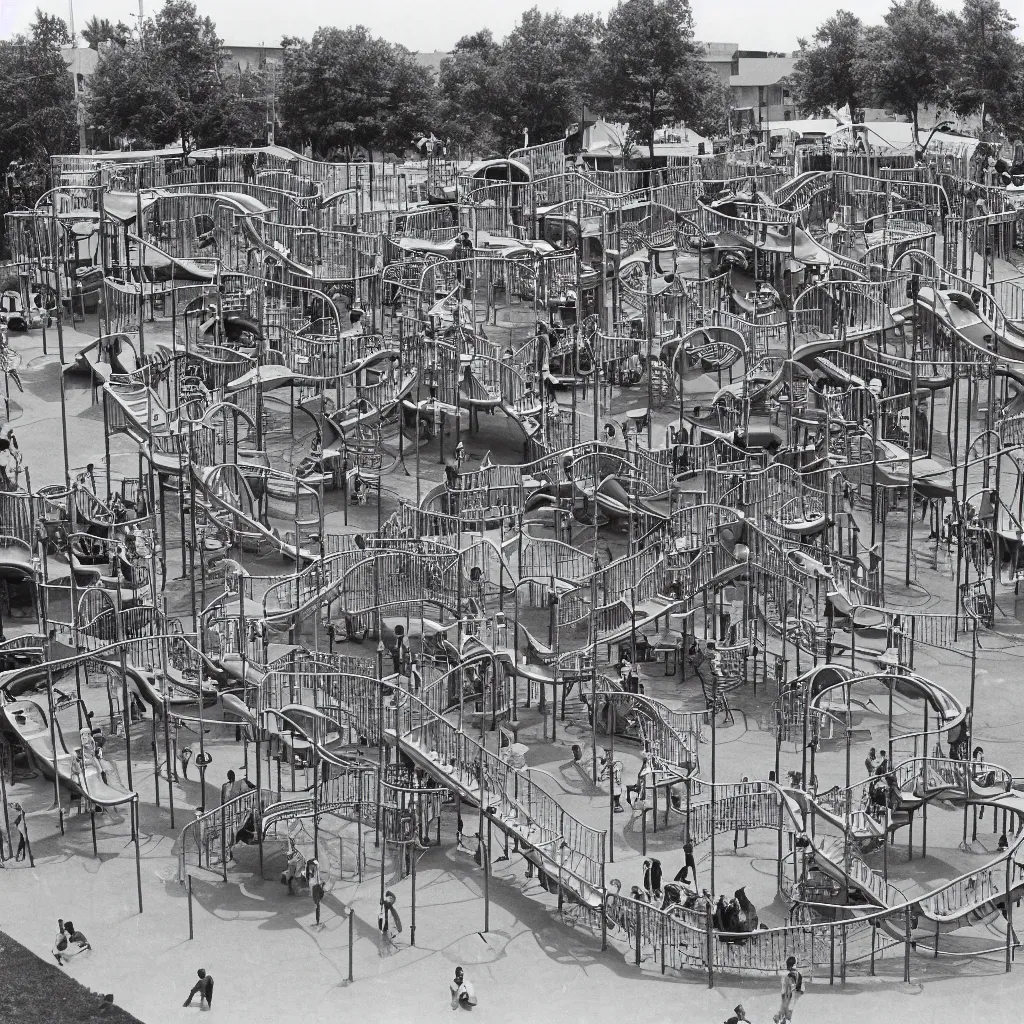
column 910, row 58
column 37, row 103
column 102, row 30
column 345, row 88
column 989, row 63
column 468, row 112
column 648, row 72
column 831, row 71
column 168, row 84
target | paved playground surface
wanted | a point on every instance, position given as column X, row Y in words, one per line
column 271, row 964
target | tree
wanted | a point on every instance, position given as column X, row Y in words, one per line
column 345, row 89
column 37, row 103
column 912, row 57
column 102, row 30
column 831, row 72
column 167, row 85
column 467, row 106
column 989, row 60
column 648, row 72
column 48, row 30
column 542, row 78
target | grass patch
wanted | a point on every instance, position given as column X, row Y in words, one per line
column 33, row 991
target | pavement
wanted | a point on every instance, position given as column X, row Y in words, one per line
column 270, row 962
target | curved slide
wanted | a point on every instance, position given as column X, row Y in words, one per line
column 29, row 722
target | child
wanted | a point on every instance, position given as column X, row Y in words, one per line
column 60, row 943
column 202, row 988
column 463, row 993
column 316, row 885
column 295, row 868
column 792, row 990
column 21, row 827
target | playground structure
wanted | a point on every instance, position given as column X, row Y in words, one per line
column 722, row 391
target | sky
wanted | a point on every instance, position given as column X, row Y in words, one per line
column 437, row 24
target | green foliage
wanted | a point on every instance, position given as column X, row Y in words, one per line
column 648, row 72
column 535, row 80
column 911, row 58
column 543, row 73
column 467, row 111
column 831, row 71
column 344, row 89
column 989, row 63
column 49, row 30
column 102, row 30
column 37, row 101
column 168, row 85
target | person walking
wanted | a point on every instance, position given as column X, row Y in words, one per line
column 21, row 827
column 316, row 886
column 690, row 865
column 202, row 988
column 792, row 990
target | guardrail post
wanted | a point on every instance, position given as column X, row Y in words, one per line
column 874, row 933
column 351, row 934
column 604, row 911
column 191, row 935
column 831, row 956
column 1009, row 916
column 638, row 940
column 223, row 845
column 710, row 936
column 842, row 960
column 906, row 947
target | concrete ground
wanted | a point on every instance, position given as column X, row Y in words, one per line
column 272, row 964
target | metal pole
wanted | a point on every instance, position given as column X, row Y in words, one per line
column 611, row 782
column 351, row 938
column 138, row 861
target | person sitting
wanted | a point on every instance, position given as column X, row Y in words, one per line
column 731, row 917
column 76, row 941
column 462, row 991
column 60, row 943
column 719, row 917
column 749, row 920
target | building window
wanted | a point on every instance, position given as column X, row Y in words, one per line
column 786, row 114
column 785, row 93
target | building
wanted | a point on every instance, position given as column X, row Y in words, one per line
column 243, row 58
column 758, row 87
column 718, row 58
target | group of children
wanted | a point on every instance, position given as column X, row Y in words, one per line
column 69, row 942
column 304, row 872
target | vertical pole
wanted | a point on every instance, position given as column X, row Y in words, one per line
column 709, row 935
column 138, row 860
column 611, row 782
column 1009, row 913
column 191, row 933
column 223, row 842
column 412, row 921
column 351, row 935
column 906, row 944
